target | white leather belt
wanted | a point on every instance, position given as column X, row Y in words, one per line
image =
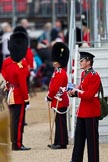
column 96, row 95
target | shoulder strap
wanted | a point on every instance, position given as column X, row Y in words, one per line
column 87, row 72
column 101, row 90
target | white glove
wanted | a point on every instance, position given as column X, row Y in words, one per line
column 32, row 73
column 47, row 99
column 27, row 105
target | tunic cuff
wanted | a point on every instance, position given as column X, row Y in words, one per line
column 76, row 94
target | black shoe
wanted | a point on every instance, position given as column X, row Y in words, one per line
column 57, row 146
column 50, row 145
column 25, row 124
column 22, row 148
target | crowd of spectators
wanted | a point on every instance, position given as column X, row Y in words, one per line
column 40, row 47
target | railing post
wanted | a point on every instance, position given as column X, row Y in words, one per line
column 106, row 15
column 13, row 13
column 53, row 13
column 71, row 48
column 95, row 20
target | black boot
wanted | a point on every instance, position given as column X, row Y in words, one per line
column 22, row 148
column 53, row 146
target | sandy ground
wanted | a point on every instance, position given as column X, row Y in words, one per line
column 36, row 136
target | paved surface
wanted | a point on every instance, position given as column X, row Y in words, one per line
column 36, row 136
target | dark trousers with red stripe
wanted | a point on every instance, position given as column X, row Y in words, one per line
column 86, row 129
column 61, row 134
column 17, row 113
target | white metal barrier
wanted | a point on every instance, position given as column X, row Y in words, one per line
column 97, row 21
column 101, row 66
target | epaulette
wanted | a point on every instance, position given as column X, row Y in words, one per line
column 58, row 70
column 93, row 72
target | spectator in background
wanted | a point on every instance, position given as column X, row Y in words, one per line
column 25, row 23
column 43, row 51
column 57, row 33
column 24, row 26
column 59, row 38
column 46, row 33
column 78, row 37
column 37, row 59
column 7, row 31
column 43, row 68
column 56, row 30
column 86, row 34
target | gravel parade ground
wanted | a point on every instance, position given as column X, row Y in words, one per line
column 36, row 136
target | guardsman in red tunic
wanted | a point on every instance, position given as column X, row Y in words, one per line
column 88, row 111
column 60, row 55
column 15, row 71
column 29, row 59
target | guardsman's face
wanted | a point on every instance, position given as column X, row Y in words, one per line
column 56, row 64
column 84, row 64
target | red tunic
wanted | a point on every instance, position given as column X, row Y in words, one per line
column 16, row 74
column 29, row 58
column 86, row 37
column 89, row 104
column 59, row 79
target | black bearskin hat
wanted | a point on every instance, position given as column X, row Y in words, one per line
column 18, row 45
column 20, row 28
column 60, row 53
